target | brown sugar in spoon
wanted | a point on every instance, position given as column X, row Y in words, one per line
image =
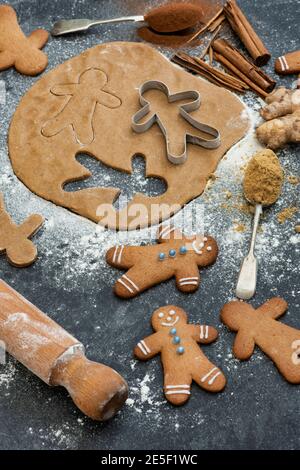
column 167, row 18
column 262, row 187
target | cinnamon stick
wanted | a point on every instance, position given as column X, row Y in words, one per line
column 211, row 55
column 214, row 25
column 206, row 26
column 211, row 73
column 246, row 33
column 230, row 67
column 250, row 70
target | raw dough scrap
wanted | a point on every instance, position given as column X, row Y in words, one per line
column 14, row 239
column 46, row 164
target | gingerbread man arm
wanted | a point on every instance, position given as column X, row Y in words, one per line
column 23, row 254
column 57, row 123
column 148, row 347
column 138, row 277
column 273, row 308
column 38, row 38
column 122, row 257
column 188, row 277
column 30, row 225
column 65, row 89
column 203, row 333
column 244, row 345
column 232, row 314
column 108, row 99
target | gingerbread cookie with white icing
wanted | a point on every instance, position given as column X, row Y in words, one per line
column 278, row 341
column 174, row 255
column 182, row 359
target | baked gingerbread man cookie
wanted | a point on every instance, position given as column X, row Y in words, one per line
column 17, row 50
column 182, row 359
column 259, row 327
column 14, row 239
column 175, row 255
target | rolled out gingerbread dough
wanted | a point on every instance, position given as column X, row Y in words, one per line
column 86, row 104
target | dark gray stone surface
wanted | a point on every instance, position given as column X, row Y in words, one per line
column 258, row 409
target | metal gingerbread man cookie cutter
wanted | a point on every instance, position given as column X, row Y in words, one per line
column 184, row 111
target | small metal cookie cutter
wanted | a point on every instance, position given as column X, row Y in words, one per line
column 184, row 111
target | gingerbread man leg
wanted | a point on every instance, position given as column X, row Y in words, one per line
column 120, row 256
column 208, row 376
column 177, row 386
column 7, row 60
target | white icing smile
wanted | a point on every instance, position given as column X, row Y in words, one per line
column 170, row 324
column 196, row 248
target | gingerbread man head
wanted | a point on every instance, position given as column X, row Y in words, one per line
column 237, row 315
column 205, row 247
column 168, row 317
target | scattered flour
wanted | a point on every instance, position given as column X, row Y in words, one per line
column 7, row 374
column 72, row 248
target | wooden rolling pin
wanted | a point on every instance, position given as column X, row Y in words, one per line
column 58, row 358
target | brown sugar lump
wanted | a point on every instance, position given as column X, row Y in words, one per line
column 263, row 178
column 174, row 17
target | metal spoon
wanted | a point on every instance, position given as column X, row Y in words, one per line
column 71, row 26
column 246, row 284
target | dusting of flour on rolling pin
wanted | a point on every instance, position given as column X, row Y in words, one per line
column 263, row 178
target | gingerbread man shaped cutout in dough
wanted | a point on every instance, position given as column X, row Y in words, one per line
column 259, row 327
column 175, row 255
column 80, row 109
column 17, row 50
column 182, row 359
column 14, row 239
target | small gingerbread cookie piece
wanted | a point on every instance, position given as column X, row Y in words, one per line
column 175, row 255
column 14, row 239
column 182, row 359
column 288, row 63
column 18, row 50
column 259, row 327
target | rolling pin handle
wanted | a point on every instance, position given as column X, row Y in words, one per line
column 97, row 390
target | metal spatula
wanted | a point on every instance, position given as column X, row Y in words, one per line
column 71, row 26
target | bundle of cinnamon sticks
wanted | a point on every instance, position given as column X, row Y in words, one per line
column 243, row 74
column 246, row 33
column 214, row 75
column 235, row 62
